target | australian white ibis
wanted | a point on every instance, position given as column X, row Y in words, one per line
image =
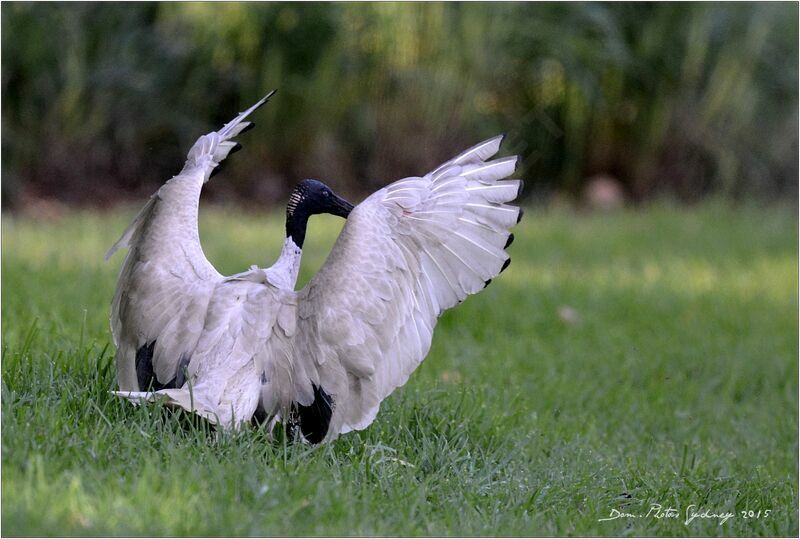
column 233, row 349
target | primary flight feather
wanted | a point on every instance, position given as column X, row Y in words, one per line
column 248, row 346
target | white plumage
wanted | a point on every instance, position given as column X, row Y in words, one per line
column 322, row 358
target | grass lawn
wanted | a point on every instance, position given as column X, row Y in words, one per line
column 644, row 357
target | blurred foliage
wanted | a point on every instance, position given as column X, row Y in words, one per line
column 102, row 100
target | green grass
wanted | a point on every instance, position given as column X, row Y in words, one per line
column 677, row 384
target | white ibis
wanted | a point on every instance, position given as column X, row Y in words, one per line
column 321, row 359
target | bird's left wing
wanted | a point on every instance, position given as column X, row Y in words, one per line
column 407, row 253
column 166, row 282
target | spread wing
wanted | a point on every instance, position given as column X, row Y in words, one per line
column 407, row 253
column 166, row 282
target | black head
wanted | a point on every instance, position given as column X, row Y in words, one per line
column 311, row 197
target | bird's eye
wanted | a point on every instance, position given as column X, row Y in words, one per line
column 327, row 193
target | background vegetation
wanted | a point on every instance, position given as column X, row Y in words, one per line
column 102, row 100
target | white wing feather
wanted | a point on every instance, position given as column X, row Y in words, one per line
column 407, row 253
column 166, row 282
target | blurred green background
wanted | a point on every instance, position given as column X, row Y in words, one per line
column 101, row 101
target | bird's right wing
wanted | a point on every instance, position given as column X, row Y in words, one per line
column 165, row 282
column 407, row 253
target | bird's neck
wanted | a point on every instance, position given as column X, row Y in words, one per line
column 285, row 270
column 288, row 264
column 296, row 222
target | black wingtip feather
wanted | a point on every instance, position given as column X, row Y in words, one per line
column 505, row 265
column 236, row 148
column 509, row 241
column 248, row 127
column 215, row 171
column 314, row 420
column 519, row 217
column 145, row 376
column 487, row 283
column 521, row 187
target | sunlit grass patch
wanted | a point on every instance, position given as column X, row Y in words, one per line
column 625, row 359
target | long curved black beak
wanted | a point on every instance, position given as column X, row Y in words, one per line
column 341, row 207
